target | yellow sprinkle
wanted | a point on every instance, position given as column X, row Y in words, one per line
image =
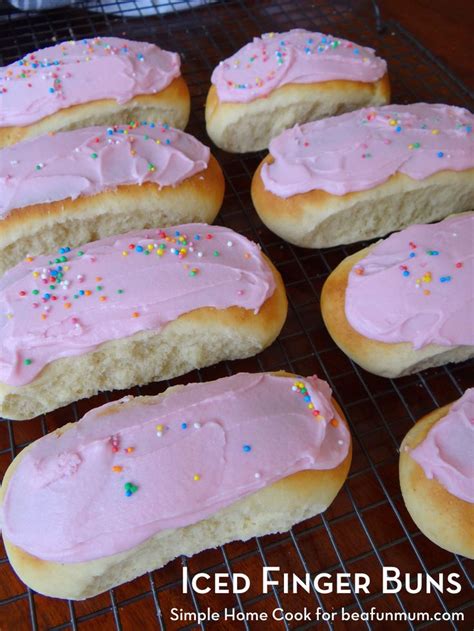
column 35, row 274
column 149, row 246
column 124, row 253
column 158, row 142
column 310, row 406
column 29, row 259
column 392, row 122
column 160, row 252
column 9, row 316
column 66, row 268
column 435, row 132
column 410, row 146
column 159, row 428
column 427, row 277
column 196, row 477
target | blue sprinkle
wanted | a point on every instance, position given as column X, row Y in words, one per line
column 247, row 448
column 356, row 51
column 54, row 272
column 406, row 273
column 398, row 129
column 177, row 233
column 46, row 296
column 168, row 141
column 51, row 90
column 166, row 126
column 139, row 248
column 197, row 237
column 468, row 128
column 128, row 493
column 307, row 398
column 110, row 132
column 81, row 292
column 445, row 279
column 412, row 254
column 184, row 425
column 152, row 125
column 440, row 154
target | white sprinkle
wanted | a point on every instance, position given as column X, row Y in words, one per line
column 200, row 254
column 197, row 425
column 340, row 442
column 13, row 162
column 229, row 244
column 257, row 475
column 159, row 434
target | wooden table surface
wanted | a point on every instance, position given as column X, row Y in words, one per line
column 445, row 27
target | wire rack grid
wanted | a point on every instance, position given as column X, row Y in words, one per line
column 367, row 526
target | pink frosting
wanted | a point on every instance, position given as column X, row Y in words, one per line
column 416, row 286
column 71, row 302
column 88, row 161
column 446, row 454
column 70, row 73
column 297, row 56
column 201, row 448
column 362, row 149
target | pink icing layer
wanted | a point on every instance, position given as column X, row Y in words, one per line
column 416, row 286
column 88, row 161
column 446, row 454
column 70, row 73
column 201, row 448
column 362, row 149
column 71, row 302
column 297, row 56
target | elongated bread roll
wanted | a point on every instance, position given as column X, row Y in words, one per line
column 78, row 186
column 367, row 173
column 100, row 81
column 406, row 303
column 131, row 309
column 282, row 79
column 140, row 481
column 437, row 475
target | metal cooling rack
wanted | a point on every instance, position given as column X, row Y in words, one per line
column 367, row 525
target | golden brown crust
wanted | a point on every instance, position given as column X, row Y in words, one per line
column 41, row 228
column 316, row 489
column 311, row 219
column 174, row 97
column 444, row 518
column 196, row 339
column 310, row 100
column 387, row 360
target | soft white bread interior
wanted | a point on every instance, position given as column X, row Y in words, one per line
column 196, row 339
column 444, row 518
column 320, row 220
column 42, row 228
column 171, row 105
column 275, row 508
column 243, row 127
column 386, row 360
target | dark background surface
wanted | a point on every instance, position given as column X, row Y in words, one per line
column 367, row 526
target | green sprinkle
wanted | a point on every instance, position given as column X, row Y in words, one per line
column 35, row 292
column 94, row 155
column 80, row 253
column 215, row 253
column 28, row 362
column 120, row 291
column 99, row 288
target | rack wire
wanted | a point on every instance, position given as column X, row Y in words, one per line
column 367, row 526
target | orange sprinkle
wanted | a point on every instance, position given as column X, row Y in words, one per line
column 427, row 292
column 334, row 422
column 129, row 450
column 117, row 469
column 135, row 314
column 103, row 298
column 43, row 316
column 29, row 259
column 88, row 292
column 98, row 278
column 359, row 271
column 67, row 305
column 246, row 255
